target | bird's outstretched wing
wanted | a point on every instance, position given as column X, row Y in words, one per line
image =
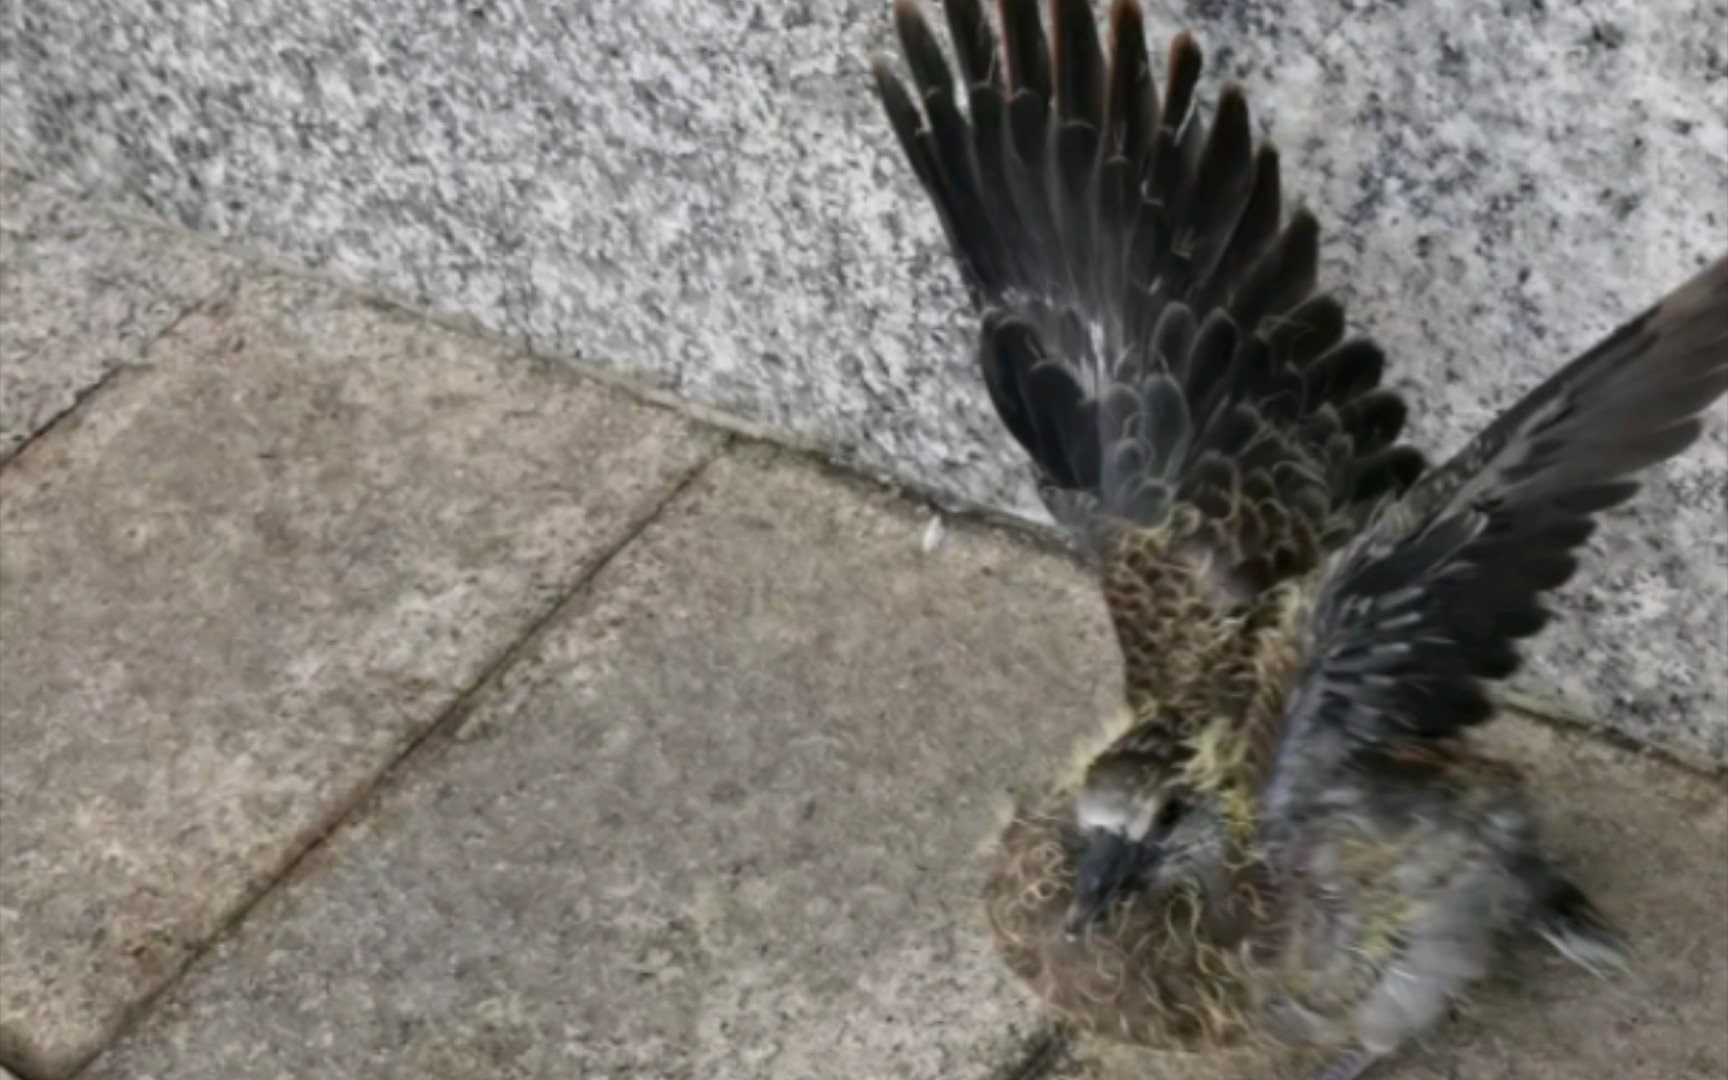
column 1151, row 333
column 1433, row 598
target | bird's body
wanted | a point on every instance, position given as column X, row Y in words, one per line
column 1289, row 837
column 1418, row 846
column 1228, row 955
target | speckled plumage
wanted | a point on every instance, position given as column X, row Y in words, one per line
column 1289, row 838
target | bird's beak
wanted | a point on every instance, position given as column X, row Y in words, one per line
column 1106, row 865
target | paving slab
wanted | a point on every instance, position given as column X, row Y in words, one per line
column 1650, row 842
column 719, row 822
column 81, row 294
column 236, row 585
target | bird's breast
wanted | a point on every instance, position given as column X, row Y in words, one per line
column 1164, row 969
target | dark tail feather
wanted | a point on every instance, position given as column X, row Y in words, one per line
column 1566, row 919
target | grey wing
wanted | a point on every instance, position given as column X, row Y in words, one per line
column 1151, row 331
column 1434, row 598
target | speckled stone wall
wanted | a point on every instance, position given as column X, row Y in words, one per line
column 701, row 195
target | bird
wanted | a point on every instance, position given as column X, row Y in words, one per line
column 1289, row 837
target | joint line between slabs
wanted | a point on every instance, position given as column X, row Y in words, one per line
column 350, row 808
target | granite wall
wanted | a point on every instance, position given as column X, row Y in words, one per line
column 701, row 195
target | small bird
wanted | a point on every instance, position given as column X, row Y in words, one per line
column 1289, row 838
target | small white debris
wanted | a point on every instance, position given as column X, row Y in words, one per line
column 933, row 534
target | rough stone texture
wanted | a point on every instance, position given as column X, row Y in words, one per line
column 235, row 585
column 81, row 294
column 703, row 195
column 718, row 823
column 1647, row 841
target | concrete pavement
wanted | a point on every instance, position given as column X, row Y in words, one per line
column 381, row 702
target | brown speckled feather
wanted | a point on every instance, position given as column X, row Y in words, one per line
column 1164, row 971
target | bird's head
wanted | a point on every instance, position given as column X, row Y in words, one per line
column 1137, row 817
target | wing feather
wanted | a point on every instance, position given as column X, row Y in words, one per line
column 1431, row 601
column 1151, row 331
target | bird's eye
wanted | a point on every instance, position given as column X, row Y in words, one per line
column 1168, row 814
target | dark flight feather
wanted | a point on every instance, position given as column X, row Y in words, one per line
column 1434, row 597
column 1151, row 332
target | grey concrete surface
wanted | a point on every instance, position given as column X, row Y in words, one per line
column 82, row 293
column 241, row 580
column 718, row 822
column 704, row 196
column 1649, row 842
